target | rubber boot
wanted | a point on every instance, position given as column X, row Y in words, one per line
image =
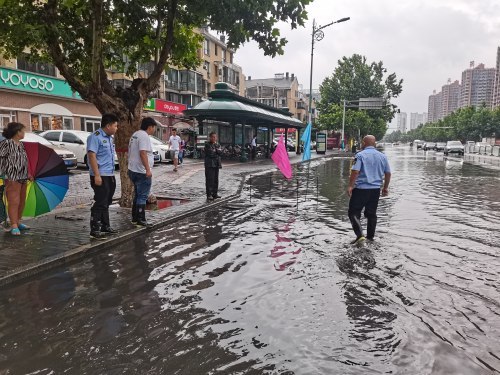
column 356, row 226
column 105, row 225
column 134, row 213
column 370, row 228
column 141, row 215
column 95, row 226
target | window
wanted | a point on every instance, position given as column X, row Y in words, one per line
column 216, row 49
column 68, row 123
column 70, row 138
column 35, row 67
column 92, row 125
column 52, row 136
column 6, row 117
column 231, row 57
column 206, row 47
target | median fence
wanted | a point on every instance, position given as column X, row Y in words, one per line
column 487, row 150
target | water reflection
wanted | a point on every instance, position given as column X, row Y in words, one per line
column 270, row 285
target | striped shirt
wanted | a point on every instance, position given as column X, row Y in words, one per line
column 13, row 160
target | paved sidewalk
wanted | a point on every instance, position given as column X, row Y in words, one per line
column 62, row 236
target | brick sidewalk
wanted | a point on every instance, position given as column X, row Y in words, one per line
column 62, row 236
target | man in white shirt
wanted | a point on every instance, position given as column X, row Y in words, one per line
column 175, row 145
column 254, row 147
column 140, row 164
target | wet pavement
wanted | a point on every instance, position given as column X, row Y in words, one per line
column 270, row 285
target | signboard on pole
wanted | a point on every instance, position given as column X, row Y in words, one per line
column 371, row 103
column 320, row 143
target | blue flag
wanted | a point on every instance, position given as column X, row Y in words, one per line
column 306, row 138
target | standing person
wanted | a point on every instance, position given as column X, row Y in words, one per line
column 140, row 165
column 174, row 142
column 254, row 147
column 367, row 175
column 101, row 161
column 14, row 166
column 213, row 163
column 182, row 146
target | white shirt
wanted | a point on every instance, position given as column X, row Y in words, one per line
column 139, row 141
column 174, row 142
column 254, row 142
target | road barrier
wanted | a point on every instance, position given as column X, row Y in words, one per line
column 495, row 151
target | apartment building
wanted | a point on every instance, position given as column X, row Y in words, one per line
column 402, row 119
column 417, row 119
column 477, row 86
column 450, row 97
column 434, row 108
column 496, row 90
column 282, row 91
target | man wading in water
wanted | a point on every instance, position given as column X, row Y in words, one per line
column 367, row 175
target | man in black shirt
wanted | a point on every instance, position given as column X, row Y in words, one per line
column 213, row 163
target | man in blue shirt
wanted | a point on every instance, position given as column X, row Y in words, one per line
column 370, row 170
column 101, row 161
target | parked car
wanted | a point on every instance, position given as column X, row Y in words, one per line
column 73, row 140
column 66, row 155
column 429, row 146
column 162, row 148
column 440, row 146
column 454, row 147
column 418, row 143
column 290, row 145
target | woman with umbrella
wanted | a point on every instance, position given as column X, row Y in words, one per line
column 14, row 167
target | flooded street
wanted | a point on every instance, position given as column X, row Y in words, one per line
column 266, row 286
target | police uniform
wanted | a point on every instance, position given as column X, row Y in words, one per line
column 372, row 165
column 212, row 166
column 103, row 146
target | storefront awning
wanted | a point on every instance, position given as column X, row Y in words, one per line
column 224, row 105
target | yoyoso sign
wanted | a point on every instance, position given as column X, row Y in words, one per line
column 23, row 81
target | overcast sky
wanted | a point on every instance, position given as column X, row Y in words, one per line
column 424, row 42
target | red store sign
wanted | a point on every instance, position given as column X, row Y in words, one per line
column 282, row 130
column 164, row 106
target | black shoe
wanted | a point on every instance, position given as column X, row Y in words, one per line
column 108, row 230
column 141, row 216
column 358, row 240
column 370, row 238
column 210, row 198
column 98, row 235
column 134, row 214
column 216, row 196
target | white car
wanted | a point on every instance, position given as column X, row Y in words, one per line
column 162, row 148
column 73, row 140
column 66, row 155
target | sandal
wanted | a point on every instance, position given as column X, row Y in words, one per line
column 23, row 227
column 15, row 232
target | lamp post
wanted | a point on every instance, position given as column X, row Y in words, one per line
column 318, row 35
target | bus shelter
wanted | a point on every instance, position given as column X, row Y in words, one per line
column 236, row 119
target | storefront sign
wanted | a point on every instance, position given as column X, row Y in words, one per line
column 163, row 106
column 18, row 80
column 282, row 130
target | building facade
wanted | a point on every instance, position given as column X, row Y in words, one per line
column 477, row 86
column 496, row 90
column 417, row 119
column 450, row 98
column 434, row 108
column 402, row 122
column 282, row 91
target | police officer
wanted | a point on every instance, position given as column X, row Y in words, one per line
column 213, row 163
column 369, row 171
column 101, row 161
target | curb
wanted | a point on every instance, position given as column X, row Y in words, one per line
column 74, row 255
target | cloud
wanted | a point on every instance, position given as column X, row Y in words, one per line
column 424, row 42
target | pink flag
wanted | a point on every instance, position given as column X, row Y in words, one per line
column 280, row 158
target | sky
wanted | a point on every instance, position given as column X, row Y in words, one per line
column 424, row 42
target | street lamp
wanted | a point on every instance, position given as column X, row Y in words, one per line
column 318, row 34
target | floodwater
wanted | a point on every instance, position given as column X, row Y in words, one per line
column 263, row 286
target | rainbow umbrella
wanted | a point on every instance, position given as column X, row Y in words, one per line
column 51, row 180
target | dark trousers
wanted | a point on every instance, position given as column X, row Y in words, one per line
column 367, row 199
column 103, row 197
column 212, row 181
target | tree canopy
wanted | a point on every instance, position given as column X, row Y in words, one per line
column 465, row 124
column 352, row 79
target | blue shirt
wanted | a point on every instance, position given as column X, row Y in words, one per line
column 104, row 148
column 372, row 165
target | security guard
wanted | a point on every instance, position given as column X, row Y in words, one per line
column 369, row 171
column 101, row 161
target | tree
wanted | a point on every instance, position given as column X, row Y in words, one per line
column 353, row 79
column 84, row 38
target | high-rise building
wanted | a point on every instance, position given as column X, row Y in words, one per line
column 496, row 91
column 417, row 119
column 402, row 121
column 434, row 109
column 477, row 86
column 450, row 98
